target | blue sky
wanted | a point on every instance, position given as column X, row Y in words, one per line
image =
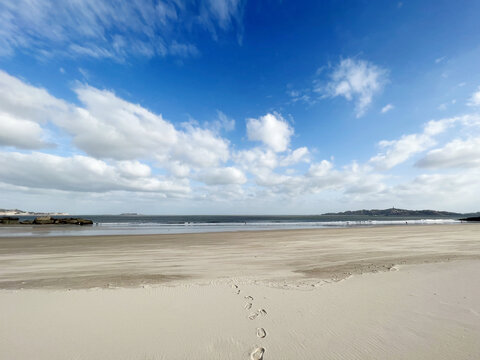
column 239, row 107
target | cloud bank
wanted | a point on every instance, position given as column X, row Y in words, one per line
column 105, row 145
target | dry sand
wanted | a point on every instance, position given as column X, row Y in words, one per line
column 404, row 292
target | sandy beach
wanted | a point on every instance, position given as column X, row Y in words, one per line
column 391, row 292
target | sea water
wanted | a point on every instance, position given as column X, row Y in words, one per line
column 177, row 224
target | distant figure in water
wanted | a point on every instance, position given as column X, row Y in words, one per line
column 406, row 222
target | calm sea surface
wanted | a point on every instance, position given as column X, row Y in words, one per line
column 157, row 224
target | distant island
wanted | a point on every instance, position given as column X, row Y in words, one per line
column 13, row 212
column 400, row 212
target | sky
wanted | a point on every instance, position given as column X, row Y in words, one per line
column 239, row 107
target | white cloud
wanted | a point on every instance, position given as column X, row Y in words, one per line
column 199, row 148
column 455, row 154
column 109, row 127
column 23, row 109
column 320, row 169
column 106, row 127
column 130, row 149
column 454, row 192
column 112, row 29
column 256, row 158
column 398, row 151
column 387, row 108
column 271, row 129
column 28, row 102
column 21, row 133
column 304, row 96
column 222, row 176
column 355, row 80
column 474, row 99
column 293, row 157
column 84, row 174
column 222, row 14
column 224, row 122
column 402, row 149
column 183, row 50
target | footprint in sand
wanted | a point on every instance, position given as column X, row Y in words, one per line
column 253, row 315
column 248, row 306
column 262, row 312
column 257, row 354
column 249, row 298
column 261, row 333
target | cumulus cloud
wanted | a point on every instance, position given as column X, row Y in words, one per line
column 130, row 149
column 199, row 148
column 457, row 153
column 23, row 111
column 106, row 127
column 271, row 129
column 21, row 133
column 302, row 154
column 112, row 29
column 28, row 102
column 355, row 80
column 438, row 191
column 83, row 174
column 109, row 127
column 398, row 151
column 222, row 176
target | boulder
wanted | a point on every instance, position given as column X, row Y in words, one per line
column 43, row 220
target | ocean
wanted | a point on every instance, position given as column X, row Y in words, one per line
column 175, row 224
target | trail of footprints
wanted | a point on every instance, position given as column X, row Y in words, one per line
column 257, row 353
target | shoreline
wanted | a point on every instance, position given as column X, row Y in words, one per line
column 272, row 256
column 159, row 228
column 47, row 227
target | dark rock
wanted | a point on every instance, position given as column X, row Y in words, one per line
column 46, row 220
column 43, row 220
column 75, row 221
column 85, row 222
column 8, row 220
column 474, row 218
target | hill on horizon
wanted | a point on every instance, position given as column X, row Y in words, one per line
column 398, row 212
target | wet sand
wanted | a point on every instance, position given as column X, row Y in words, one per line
column 382, row 292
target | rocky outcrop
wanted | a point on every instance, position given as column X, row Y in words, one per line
column 8, row 220
column 74, row 221
column 46, row 220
